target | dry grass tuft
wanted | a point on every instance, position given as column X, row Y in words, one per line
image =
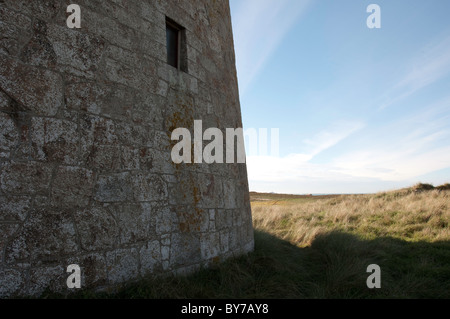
column 320, row 247
column 406, row 214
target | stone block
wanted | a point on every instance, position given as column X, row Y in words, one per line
column 210, row 245
column 192, row 219
column 54, row 140
column 133, row 221
column 72, row 187
column 185, row 249
column 15, row 29
column 93, row 270
column 122, row 265
column 85, row 96
column 229, row 194
column 12, row 281
column 149, row 187
column 105, row 158
column 165, row 219
column 9, row 135
column 51, row 278
column 39, row 51
column 6, row 232
column 113, row 188
column 76, row 52
column 27, row 178
column 14, row 208
column 97, row 228
column 44, row 10
column 151, row 255
column 45, row 235
column 96, row 130
column 37, row 90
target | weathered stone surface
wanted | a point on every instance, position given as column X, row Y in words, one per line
column 185, row 249
column 113, row 188
column 44, row 10
column 165, row 219
column 149, row 187
column 77, row 53
column 85, row 96
column 86, row 117
column 39, row 51
column 14, row 208
column 224, row 241
column 133, row 221
column 72, row 186
column 210, row 245
column 138, row 75
column 93, row 269
column 151, row 255
column 45, row 235
column 229, row 194
column 165, row 253
column 25, row 178
column 209, row 187
column 6, row 231
column 136, row 135
column 22, row 82
column 11, row 282
column 122, row 265
column 9, row 136
column 105, row 158
column 52, row 278
column 95, row 131
column 15, row 29
column 97, row 228
column 224, row 219
column 111, row 30
column 54, row 140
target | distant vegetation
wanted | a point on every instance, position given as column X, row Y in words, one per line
column 320, row 247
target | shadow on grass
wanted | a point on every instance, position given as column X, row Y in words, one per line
column 334, row 266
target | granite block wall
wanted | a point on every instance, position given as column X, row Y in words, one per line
column 86, row 117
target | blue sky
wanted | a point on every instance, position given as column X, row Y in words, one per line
column 359, row 110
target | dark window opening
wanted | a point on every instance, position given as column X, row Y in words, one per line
column 172, row 45
column 176, row 45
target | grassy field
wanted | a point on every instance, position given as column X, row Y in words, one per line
column 320, row 247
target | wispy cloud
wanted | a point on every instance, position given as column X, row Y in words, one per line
column 406, row 149
column 425, row 69
column 336, row 132
column 403, row 151
column 259, row 27
column 298, row 166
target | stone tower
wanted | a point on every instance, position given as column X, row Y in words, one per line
column 86, row 116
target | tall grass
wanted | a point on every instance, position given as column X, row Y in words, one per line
column 320, row 247
column 410, row 216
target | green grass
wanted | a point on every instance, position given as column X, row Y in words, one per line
column 321, row 248
column 333, row 267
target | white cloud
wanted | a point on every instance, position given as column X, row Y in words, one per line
column 393, row 165
column 406, row 149
column 298, row 166
column 402, row 152
column 259, row 26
